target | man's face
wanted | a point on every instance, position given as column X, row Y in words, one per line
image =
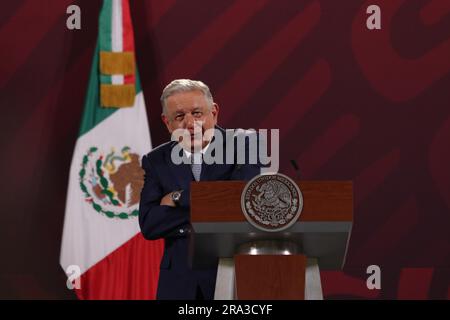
column 191, row 111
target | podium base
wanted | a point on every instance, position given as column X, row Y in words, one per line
column 226, row 280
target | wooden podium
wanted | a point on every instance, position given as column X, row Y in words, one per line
column 254, row 264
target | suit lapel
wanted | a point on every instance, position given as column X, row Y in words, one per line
column 181, row 172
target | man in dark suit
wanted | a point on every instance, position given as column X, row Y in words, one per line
column 164, row 209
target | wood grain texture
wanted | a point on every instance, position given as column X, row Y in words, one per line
column 220, row 201
column 270, row 277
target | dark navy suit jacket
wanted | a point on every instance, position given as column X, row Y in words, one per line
column 177, row 280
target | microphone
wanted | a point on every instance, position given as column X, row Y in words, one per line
column 296, row 168
column 236, row 171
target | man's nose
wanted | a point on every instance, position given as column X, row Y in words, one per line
column 189, row 121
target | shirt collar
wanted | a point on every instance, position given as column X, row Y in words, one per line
column 188, row 154
column 197, row 154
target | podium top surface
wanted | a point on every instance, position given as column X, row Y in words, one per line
column 220, row 201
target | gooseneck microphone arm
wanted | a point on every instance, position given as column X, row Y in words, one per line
column 296, row 168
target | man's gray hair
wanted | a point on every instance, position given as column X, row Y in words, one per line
column 184, row 85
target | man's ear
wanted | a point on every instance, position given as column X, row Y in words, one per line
column 165, row 120
column 215, row 112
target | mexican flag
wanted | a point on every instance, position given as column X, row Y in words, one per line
column 103, row 251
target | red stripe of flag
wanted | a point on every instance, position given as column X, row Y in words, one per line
column 127, row 29
column 128, row 35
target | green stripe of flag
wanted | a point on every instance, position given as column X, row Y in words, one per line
column 93, row 113
column 105, row 27
column 105, row 79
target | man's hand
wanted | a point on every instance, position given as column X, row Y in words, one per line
column 167, row 200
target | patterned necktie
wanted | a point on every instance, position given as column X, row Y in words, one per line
column 196, row 165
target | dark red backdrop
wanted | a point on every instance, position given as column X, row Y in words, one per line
column 370, row 106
